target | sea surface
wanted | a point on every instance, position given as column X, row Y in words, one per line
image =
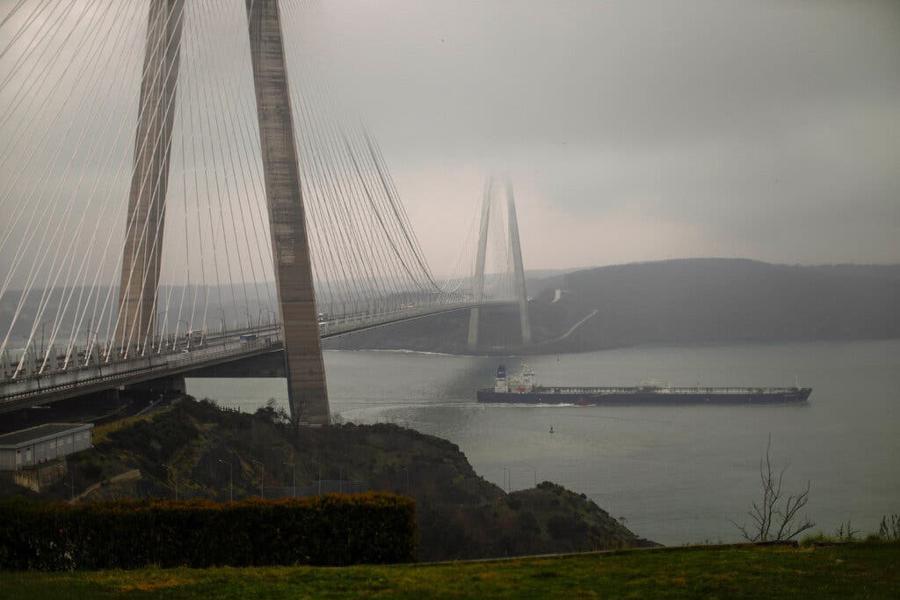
column 672, row 474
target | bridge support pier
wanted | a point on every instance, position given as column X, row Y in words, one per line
column 304, row 366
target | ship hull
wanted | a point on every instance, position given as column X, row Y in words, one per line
column 632, row 396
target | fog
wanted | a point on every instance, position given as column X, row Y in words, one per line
column 639, row 130
column 632, row 130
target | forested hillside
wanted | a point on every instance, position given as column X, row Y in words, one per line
column 677, row 302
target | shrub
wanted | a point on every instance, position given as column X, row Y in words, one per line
column 776, row 516
column 328, row 530
column 528, row 524
column 563, row 527
column 889, row 530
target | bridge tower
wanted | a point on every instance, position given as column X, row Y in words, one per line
column 478, row 284
column 518, row 267
column 304, row 366
column 150, row 177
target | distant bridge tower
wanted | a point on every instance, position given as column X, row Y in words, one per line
column 518, row 268
column 304, row 366
column 478, row 285
column 150, row 177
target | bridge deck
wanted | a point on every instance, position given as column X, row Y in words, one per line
column 177, row 358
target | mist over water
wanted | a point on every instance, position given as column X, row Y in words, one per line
column 676, row 474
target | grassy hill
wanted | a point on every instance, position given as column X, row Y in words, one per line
column 865, row 570
column 207, row 452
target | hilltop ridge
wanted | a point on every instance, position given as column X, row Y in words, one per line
column 680, row 301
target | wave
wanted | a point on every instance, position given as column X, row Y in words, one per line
column 532, row 404
column 396, row 351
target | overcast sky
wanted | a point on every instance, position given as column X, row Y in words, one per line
column 632, row 130
column 637, row 130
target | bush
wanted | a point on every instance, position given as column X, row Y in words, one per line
column 328, row 530
column 565, row 527
column 889, row 530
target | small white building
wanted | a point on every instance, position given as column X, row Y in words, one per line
column 32, row 447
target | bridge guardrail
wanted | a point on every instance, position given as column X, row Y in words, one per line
column 176, row 358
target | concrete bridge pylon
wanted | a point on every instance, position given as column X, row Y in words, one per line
column 478, row 283
column 521, row 290
column 304, row 366
column 142, row 252
column 141, row 258
column 515, row 248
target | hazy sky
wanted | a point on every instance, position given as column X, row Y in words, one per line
column 637, row 130
column 633, row 130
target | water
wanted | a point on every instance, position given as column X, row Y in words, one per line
column 676, row 474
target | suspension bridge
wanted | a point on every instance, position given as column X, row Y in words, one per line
column 180, row 191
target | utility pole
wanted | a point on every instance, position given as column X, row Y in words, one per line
column 293, row 467
column 174, row 479
column 230, row 480
column 262, row 479
column 406, row 471
column 533, row 472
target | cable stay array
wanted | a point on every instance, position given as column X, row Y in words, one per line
column 72, row 76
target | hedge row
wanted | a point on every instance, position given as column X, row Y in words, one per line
column 326, row 530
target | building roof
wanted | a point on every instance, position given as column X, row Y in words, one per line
column 47, row 431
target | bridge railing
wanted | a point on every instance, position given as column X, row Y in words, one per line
column 35, row 365
column 137, row 368
column 101, row 368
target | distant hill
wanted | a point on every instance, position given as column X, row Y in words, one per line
column 666, row 302
column 680, row 302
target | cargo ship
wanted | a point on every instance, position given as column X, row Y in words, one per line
column 522, row 390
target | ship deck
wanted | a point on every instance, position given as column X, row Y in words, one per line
column 662, row 390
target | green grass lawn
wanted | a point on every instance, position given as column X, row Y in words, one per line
column 863, row 570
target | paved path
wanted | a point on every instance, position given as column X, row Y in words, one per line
column 132, row 475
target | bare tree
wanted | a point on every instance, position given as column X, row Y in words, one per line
column 775, row 518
